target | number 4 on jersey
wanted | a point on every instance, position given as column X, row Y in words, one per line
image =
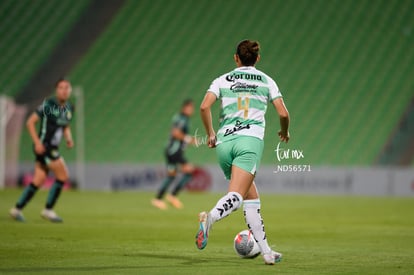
column 243, row 105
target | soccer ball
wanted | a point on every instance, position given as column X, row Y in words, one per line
column 245, row 245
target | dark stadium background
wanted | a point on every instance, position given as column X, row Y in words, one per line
column 345, row 69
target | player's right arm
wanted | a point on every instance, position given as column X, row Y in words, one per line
column 177, row 133
column 205, row 110
column 281, row 109
column 31, row 127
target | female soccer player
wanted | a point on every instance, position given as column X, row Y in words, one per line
column 244, row 94
column 54, row 115
column 174, row 154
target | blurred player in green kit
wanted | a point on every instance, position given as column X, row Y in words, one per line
column 54, row 116
column 174, row 154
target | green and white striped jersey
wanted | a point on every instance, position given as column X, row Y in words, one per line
column 244, row 94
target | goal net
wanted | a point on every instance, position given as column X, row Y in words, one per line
column 11, row 123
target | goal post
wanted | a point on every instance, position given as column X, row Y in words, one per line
column 3, row 126
column 80, row 137
column 12, row 117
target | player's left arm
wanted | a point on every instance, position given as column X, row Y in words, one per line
column 277, row 101
column 284, row 118
column 205, row 110
column 67, row 134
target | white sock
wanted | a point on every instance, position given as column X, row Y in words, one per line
column 227, row 204
column 255, row 223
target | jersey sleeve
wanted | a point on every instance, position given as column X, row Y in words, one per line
column 215, row 87
column 178, row 123
column 40, row 110
column 274, row 91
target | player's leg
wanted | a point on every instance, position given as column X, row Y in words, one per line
column 241, row 170
column 239, row 185
column 187, row 169
column 240, row 181
column 158, row 200
column 39, row 177
column 254, row 221
column 247, row 152
column 171, row 173
column 58, row 167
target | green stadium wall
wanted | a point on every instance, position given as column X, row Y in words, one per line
column 29, row 31
column 344, row 67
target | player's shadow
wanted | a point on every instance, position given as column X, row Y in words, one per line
column 180, row 261
column 187, row 259
column 58, row 270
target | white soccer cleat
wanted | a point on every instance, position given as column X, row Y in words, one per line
column 272, row 257
column 50, row 215
column 17, row 214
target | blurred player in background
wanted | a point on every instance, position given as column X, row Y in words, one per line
column 174, row 154
column 244, row 94
column 54, row 116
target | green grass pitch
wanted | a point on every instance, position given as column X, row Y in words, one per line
column 121, row 233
